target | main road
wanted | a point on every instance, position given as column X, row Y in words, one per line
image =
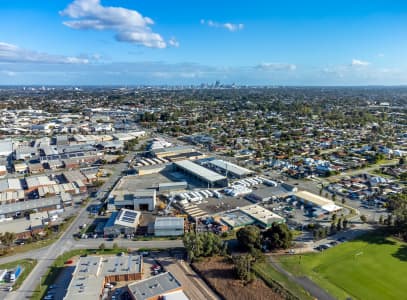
column 47, row 255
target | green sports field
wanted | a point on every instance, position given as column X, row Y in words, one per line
column 372, row 267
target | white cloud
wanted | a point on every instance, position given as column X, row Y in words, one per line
column 129, row 25
column 15, row 54
column 276, row 67
column 173, row 42
column 359, row 63
column 380, row 55
column 229, row 26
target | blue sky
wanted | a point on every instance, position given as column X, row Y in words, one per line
column 189, row 42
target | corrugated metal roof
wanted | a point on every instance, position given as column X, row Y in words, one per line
column 199, row 171
column 230, row 167
column 28, row 205
column 168, row 222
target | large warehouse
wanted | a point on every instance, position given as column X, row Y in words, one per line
column 177, row 153
column 206, row 176
column 229, row 169
column 251, row 214
column 318, row 202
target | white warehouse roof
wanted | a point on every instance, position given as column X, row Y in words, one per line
column 199, row 171
column 230, row 167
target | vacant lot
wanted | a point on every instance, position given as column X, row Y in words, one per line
column 372, row 267
column 220, row 276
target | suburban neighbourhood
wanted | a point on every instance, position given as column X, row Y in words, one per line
column 159, row 194
column 203, row 150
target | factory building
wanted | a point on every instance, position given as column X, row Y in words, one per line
column 202, row 174
column 177, row 153
column 251, row 215
column 172, row 186
column 229, row 169
column 155, row 288
column 93, row 272
column 120, row 222
column 168, row 226
column 143, row 199
column 320, row 204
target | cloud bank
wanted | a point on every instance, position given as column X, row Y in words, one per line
column 14, row 54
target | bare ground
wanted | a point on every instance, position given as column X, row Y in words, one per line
column 220, row 275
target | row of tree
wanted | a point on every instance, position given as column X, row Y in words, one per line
column 278, row 236
column 397, row 207
column 203, row 245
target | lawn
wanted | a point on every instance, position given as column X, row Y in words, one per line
column 273, row 277
column 372, row 267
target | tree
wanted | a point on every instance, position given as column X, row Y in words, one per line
column 381, row 219
column 363, row 218
column 115, row 246
column 333, row 228
column 102, row 247
column 203, row 244
column 278, row 236
column 339, row 225
column 345, row 223
column 242, row 266
column 7, row 238
column 397, row 207
column 249, row 237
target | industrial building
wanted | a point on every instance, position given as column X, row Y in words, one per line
column 236, row 219
column 169, row 226
column 143, row 199
column 9, row 210
column 154, row 288
column 251, row 215
column 11, row 197
column 93, row 272
column 172, row 186
column 229, row 169
column 10, row 185
column 124, row 222
column 25, row 228
column 320, row 203
column 35, row 182
column 271, row 192
column 151, row 169
column 6, row 147
column 177, row 153
column 204, row 175
column 264, row 217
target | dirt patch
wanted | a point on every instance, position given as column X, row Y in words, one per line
column 219, row 274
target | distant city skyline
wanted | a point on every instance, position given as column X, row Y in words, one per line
column 157, row 42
